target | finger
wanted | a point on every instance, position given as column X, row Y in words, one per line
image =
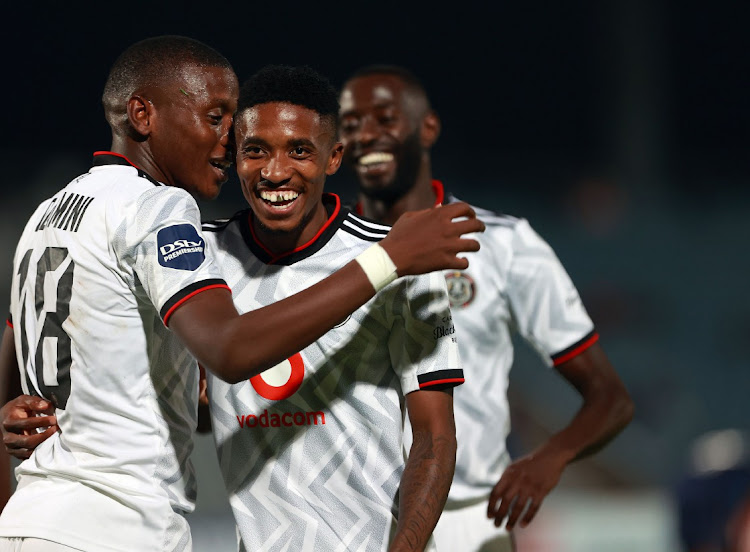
column 21, row 454
column 14, row 441
column 17, row 425
column 506, row 504
column 458, row 209
column 530, row 512
column 495, row 496
column 456, row 263
column 466, row 226
column 515, row 512
column 466, row 244
column 35, row 404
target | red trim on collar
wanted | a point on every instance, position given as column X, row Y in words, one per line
column 116, row 155
column 273, row 257
column 437, row 187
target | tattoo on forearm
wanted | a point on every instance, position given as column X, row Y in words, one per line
column 424, row 487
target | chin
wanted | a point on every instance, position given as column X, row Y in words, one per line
column 278, row 227
column 208, row 193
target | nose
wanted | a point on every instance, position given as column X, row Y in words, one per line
column 277, row 170
column 226, row 131
column 367, row 131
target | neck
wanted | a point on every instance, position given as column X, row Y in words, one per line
column 139, row 154
column 279, row 242
column 420, row 196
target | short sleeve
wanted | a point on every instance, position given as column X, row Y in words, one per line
column 160, row 238
column 544, row 303
column 422, row 342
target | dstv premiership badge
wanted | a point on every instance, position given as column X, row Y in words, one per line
column 460, row 288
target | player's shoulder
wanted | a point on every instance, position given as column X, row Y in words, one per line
column 120, row 181
column 492, row 219
column 222, row 231
column 363, row 228
column 220, row 225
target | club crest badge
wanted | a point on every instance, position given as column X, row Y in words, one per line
column 460, row 289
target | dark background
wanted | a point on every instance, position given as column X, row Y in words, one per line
column 620, row 129
column 639, row 88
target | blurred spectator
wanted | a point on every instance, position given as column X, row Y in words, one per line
column 713, row 497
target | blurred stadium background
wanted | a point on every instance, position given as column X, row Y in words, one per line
column 619, row 129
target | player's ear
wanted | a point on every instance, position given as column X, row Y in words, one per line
column 334, row 160
column 430, row 130
column 140, row 113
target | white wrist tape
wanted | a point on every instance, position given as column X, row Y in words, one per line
column 378, row 266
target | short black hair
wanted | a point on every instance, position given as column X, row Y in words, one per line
column 153, row 60
column 297, row 85
column 402, row 73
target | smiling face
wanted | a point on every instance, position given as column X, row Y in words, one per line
column 284, row 153
column 190, row 139
column 381, row 120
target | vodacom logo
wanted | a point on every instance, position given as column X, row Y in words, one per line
column 281, row 381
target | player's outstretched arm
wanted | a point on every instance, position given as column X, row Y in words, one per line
column 429, row 469
column 607, row 408
column 238, row 347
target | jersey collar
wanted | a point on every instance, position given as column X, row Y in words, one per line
column 103, row 158
column 336, row 216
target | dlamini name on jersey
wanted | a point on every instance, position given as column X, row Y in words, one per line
column 65, row 212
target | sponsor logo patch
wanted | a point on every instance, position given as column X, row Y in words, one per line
column 279, row 419
column 281, row 381
column 460, row 288
column 180, row 247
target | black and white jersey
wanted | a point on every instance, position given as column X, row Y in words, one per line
column 98, row 271
column 311, row 450
column 515, row 282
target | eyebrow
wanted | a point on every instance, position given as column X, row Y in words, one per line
column 301, row 142
column 376, row 105
column 255, row 140
column 294, row 142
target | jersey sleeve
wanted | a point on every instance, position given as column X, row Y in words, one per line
column 545, row 305
column 161, row 239
column 422, row 342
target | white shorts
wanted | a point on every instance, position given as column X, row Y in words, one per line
column 13, row 544
column 468, row 529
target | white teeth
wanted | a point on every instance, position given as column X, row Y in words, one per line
column 375, row 157
column 283, row 195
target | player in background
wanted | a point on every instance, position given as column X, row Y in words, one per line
column 515, row 281
column 115, row 295
column 311, row 450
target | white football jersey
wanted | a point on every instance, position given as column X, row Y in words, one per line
column 311, row 450
column 98, row 270
column 515, row 282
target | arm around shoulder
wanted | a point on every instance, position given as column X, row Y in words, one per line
column 238, row 347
